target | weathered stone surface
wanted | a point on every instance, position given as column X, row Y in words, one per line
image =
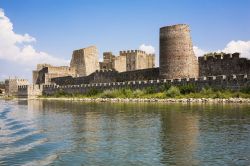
column 45, row 72
column 85, row 61
column 128, row 61
column 137, row 59
column 11, row 86
column 177, row 59
column 109, row 76
column 229, row 82
column 223, row 64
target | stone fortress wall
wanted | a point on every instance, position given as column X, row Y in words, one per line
column 137, row 59
column 104, row 76
column 234, row 82
column 12, row 84
column 128, row 61
column 112, row 62
column 45, row 72
column 178, row 65
column 221, row 63
column 85, row 61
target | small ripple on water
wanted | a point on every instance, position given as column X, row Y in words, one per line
column 46, row 161
column 23, row 148
column 10, row 140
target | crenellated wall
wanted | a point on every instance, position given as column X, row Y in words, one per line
column 234, row 82
column 29, row 91
column 109, row 76
column 226, row 64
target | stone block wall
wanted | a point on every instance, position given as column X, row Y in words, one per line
column 109, row 76
column 29, row 91
column 226, row 64
column 177, row 59
column 137, row 59
column 119, row 63
column 11, row 86
column 234, row 82
column 44, row 75
column 85, row 61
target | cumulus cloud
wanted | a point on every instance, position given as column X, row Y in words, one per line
column 199, row 52
column 147, row 48
column 18, row 48
column 243, row 47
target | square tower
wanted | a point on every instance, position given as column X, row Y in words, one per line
column 85, row 61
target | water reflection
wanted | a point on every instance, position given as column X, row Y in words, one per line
column 37, row 132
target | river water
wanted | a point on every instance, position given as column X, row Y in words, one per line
column 38, row 132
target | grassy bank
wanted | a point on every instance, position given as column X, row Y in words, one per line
column 163, row 92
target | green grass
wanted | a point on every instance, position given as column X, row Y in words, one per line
column 162, row 92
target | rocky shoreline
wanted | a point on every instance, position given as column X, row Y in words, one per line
column 155, row 100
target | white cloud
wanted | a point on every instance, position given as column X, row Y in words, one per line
column 18, row 48
column 242, row 47
column 147, row 48
column 199, row 52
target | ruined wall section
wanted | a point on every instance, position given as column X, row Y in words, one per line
column 109, row 76
column 44, row 75
column 177, row 58
column 85, row 61
column 223, row 64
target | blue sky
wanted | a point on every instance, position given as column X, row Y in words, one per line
column 57, row 27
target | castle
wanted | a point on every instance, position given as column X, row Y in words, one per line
column 84, row 63
column 136, row 69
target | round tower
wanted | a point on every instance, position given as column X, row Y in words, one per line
column 177, row 58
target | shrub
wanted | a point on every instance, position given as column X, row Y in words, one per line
column 207, row 91
column 187, row 89
column 92, row 92
column 246, row 89
column 125, row 93
column 159, row 95
column 108, row 94
column 138, row 93
column 164, row 87
column 150, row 90
column 62, row 93
column 173, row 91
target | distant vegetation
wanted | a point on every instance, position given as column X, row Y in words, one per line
column 164, row 91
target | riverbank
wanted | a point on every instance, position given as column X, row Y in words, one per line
column 151, row 100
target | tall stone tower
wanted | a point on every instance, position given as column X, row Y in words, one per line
column 85, row 61
column 177, row 58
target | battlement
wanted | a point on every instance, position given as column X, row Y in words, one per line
column 29, row 91
column 105, row 70
column 219, row 56
column 132, row 51
column 22, row 87
column 223, row 63
column 234, row 82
